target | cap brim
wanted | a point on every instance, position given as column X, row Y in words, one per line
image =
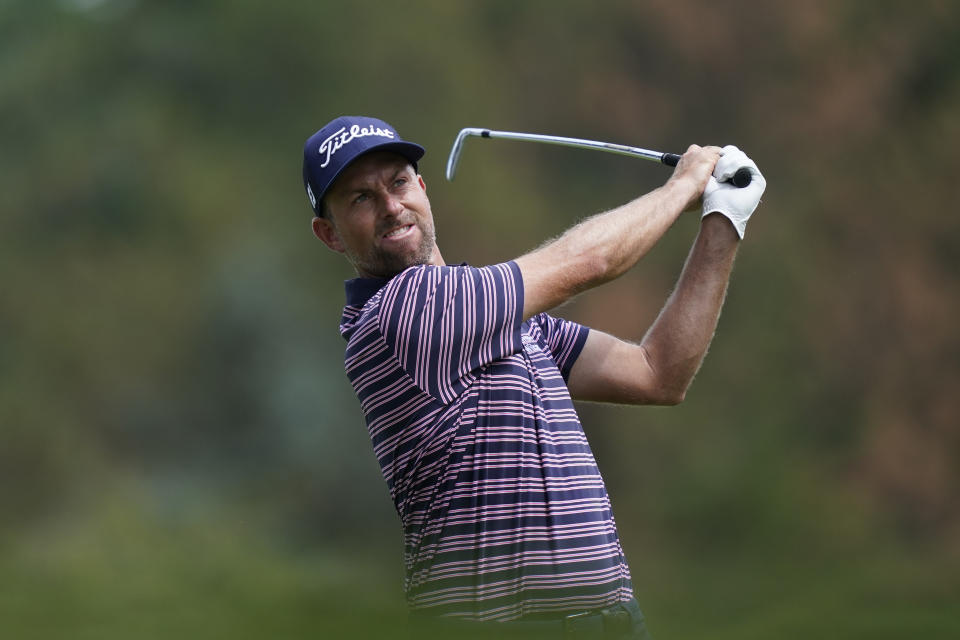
column 412, row 152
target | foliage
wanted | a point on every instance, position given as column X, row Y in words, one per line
column 180, row 453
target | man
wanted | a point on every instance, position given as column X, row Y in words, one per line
column 466, row 383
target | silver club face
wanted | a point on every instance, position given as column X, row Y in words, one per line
column 458, row 149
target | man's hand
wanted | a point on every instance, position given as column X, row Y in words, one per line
column 723, row 197
column 694, row 170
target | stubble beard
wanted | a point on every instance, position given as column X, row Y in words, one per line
column 385, row 264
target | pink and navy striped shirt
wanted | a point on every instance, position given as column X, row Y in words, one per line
column 503, row 508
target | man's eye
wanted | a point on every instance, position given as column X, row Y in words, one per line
column 360, row 198
column 400, row 182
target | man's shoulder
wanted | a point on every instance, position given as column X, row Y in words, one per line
column 393, row 302
column 428, row 278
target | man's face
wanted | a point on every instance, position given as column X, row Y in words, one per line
column 379, row 216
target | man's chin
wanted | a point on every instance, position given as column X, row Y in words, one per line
column 381, row 263
column 394, row 265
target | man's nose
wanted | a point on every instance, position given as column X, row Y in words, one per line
column 392, row 204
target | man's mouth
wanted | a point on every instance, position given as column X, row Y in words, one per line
column 399, row 232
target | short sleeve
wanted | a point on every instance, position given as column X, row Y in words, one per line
column 565, row 340
column 445, row 323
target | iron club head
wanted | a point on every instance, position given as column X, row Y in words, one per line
column 458, row 148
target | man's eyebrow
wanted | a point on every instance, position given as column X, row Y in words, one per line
column 356, row 187
column 398, row 172
column 365, row 183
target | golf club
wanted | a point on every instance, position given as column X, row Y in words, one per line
column 741, row 179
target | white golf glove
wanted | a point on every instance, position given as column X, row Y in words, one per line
column 723, row 197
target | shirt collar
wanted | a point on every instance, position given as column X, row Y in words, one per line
column 359, row 290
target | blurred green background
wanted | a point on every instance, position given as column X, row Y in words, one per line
column 180, row 452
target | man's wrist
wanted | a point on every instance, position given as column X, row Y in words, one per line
column 683, row 190
column 719, row 225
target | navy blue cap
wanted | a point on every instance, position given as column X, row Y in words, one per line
column 341, row 141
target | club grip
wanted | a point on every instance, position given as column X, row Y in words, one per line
column 741, row 178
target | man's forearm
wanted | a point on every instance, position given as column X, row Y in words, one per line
column 678, row 340
column 601, row 247
column 617, row 239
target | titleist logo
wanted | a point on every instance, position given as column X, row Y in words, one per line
column 336, row 141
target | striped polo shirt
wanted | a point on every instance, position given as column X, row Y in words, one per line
column 503, row 508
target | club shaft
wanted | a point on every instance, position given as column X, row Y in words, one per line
column 580, row 143
column 741, row 179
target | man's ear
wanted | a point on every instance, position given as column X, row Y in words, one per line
column 423, row 185
column 324, row 229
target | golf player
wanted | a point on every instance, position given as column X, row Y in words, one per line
column 467, row 384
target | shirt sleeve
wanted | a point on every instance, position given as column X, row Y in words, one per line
column 445, row 323
column 565, row 340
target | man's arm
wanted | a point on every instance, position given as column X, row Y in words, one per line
column 660, row 369
column 605, row 246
